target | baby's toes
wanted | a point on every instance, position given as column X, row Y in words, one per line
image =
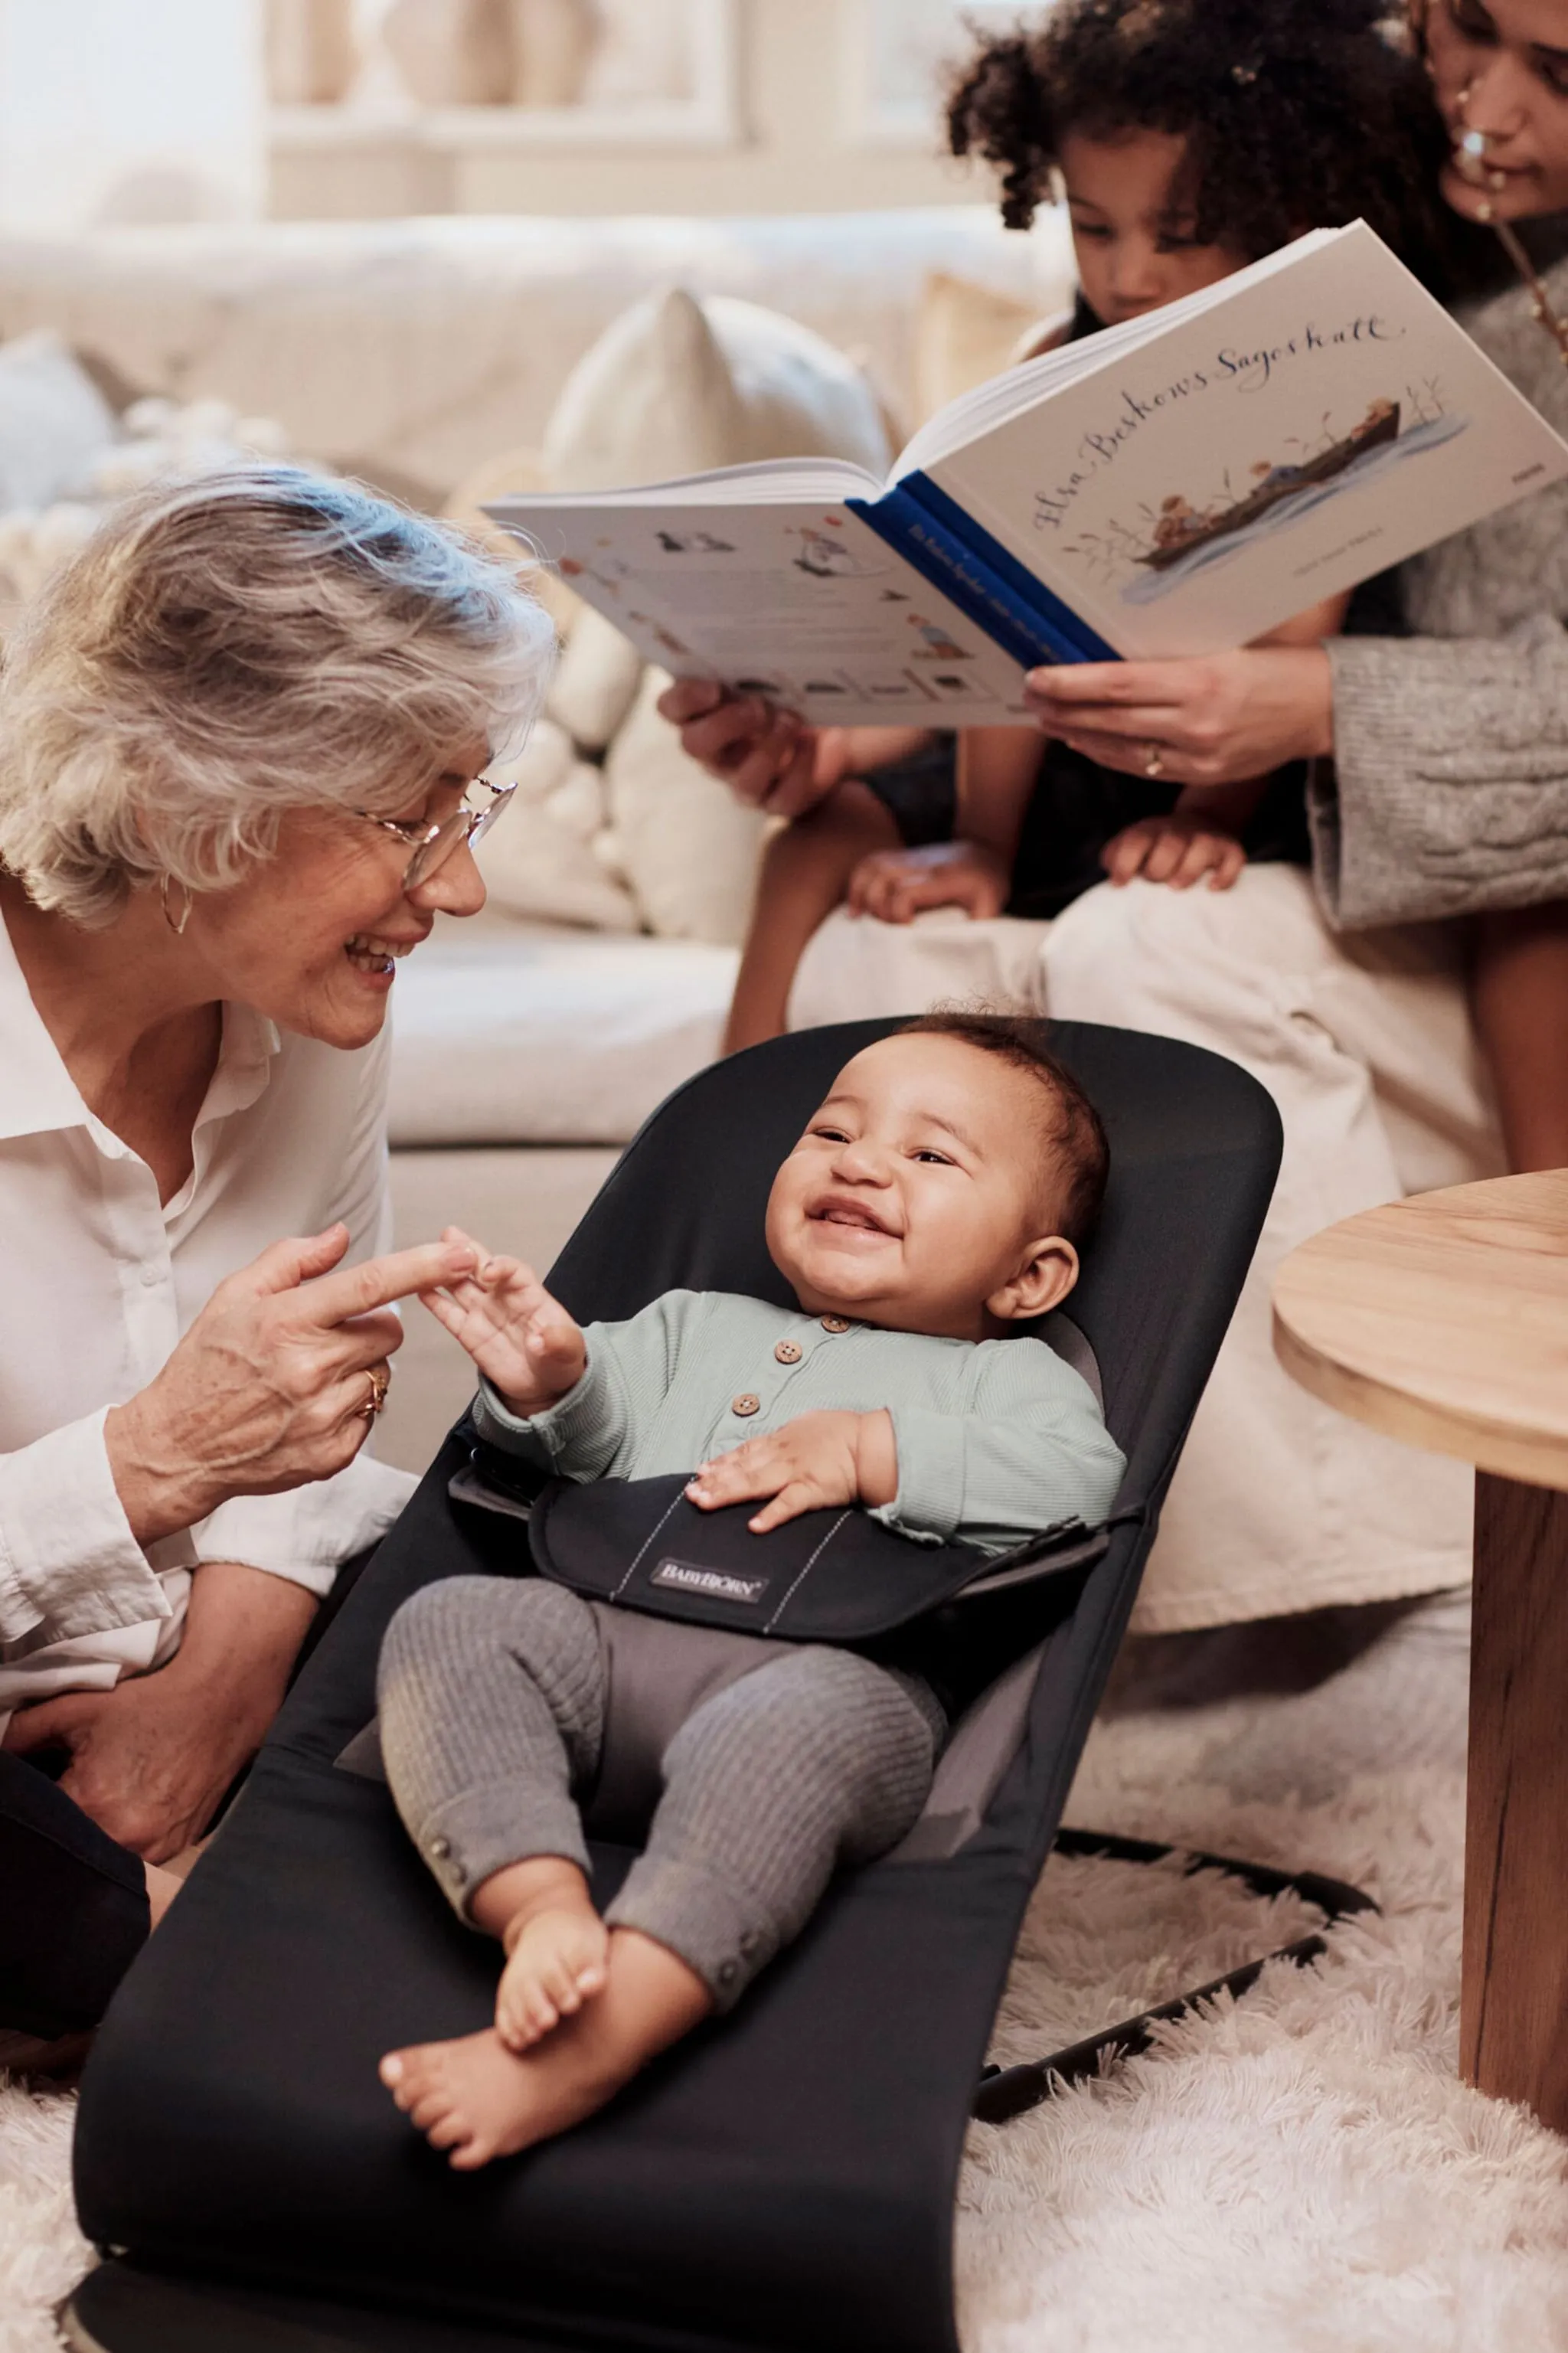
column 539, row 2011
column 449, row 2130
column 405, row 2076
column 514, row 2025
column 590, row 1967
column 558, row 1984
column 434, row 2108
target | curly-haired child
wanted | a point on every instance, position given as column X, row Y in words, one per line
column 1187, row 138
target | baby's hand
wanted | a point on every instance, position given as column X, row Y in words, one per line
column 1179, row 849
column 895, row 885
column 523, row 1342
column 812, row 1464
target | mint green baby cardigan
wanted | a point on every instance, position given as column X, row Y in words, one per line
column 996, row 1439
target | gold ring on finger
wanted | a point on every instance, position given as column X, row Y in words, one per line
column 1155, row 760
column 379, row 1379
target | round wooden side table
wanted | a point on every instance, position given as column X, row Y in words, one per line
column 1443, row 1320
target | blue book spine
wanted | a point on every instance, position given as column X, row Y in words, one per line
column 985, row 550
column 943, row 559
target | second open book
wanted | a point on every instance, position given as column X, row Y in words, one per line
column 1178, row 485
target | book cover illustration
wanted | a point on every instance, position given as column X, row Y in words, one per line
column 1157, row 550
column 1185, row 494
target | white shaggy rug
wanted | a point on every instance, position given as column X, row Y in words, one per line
column 1301, row 2173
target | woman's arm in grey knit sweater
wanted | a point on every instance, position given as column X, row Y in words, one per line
column 1451, row 744
column 1450, row 788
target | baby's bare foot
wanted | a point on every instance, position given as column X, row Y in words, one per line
column 479, row 2100
column 555, row 1963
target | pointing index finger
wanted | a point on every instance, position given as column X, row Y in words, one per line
column 352, row 1291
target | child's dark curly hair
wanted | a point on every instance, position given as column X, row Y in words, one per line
column 1298, row 114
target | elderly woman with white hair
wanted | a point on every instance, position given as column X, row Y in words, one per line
column 238, row 741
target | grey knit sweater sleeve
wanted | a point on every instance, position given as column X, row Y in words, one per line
column 1448, row 790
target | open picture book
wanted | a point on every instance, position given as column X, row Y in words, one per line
column 1178, row 485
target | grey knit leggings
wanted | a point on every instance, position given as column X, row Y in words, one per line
column 493, row 1693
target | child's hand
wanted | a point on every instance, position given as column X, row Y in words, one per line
column 523, row 1342
column 1179, row 849
column 813, row 1463
column 895, row 885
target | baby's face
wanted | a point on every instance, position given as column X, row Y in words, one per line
column 918, row 1196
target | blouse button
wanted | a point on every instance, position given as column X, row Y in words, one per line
column 835, row 1324
column 150, row 1273
column 788, row 1351
column 746, row 1404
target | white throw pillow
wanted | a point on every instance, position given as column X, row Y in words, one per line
column 675, row 386
column 54, row 421
column 540, row 861
column 687, row 847
column 595, row 682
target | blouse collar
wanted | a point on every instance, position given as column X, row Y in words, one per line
column 39, row 1095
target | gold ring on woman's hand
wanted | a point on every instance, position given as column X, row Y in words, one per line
column 379, row 1379
column 1155, row 760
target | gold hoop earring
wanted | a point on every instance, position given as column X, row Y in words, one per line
column 177, row 925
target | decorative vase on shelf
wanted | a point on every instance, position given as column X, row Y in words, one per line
column 452, row 52
column 311, row 53
column 553, row 43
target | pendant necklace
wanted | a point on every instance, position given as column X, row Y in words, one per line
column 1470, row 161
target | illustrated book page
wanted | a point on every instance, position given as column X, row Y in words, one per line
column 786, row 595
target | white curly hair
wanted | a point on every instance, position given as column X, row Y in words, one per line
column 228, row 649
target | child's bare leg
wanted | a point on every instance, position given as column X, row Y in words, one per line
column 480, row 2100
column 805, row 873
column 554, row 1941
column 1520, row 996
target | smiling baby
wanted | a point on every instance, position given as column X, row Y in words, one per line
column 937, row 1197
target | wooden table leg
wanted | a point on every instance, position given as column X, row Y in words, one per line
column 1513, row 2034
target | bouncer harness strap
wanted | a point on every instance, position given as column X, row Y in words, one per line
column 835, row 1576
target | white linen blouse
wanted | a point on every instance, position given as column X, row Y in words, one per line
column 97, row 1281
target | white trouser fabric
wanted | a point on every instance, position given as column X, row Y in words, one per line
column 1279, row 1503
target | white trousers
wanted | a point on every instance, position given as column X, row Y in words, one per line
column 1279, row 1503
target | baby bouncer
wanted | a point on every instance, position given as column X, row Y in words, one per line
column 785, row 2180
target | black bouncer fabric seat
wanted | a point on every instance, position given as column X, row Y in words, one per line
column 785, row 2179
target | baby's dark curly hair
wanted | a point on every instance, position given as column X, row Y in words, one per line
column 1298, row 114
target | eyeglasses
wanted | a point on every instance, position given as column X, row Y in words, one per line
column 433, row 845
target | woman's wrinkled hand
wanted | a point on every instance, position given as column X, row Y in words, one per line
column 1214, row 719
column 896, row 885
column 523, row 1341
column 812, row 1464
column 769, row 758
column 267, row 1389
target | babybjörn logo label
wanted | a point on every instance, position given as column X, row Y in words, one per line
column 717, row 1584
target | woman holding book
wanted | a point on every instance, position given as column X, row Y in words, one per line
column 1364, row 1042
column 1440, row 783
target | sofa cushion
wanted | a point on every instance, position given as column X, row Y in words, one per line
column 513, row 1033
column 54, row 421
